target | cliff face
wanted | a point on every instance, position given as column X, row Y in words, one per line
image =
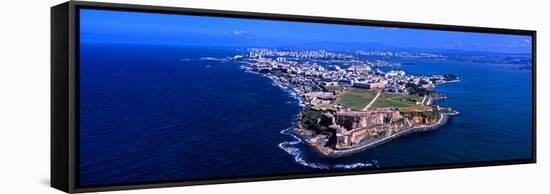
column 351, row 121
column 355, row 127
column 421, row 118
column 346, row 129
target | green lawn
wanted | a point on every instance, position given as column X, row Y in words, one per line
column 402, row 97
column 325, row 106
column 355, row 98
column 332, row 88
column 394, row 100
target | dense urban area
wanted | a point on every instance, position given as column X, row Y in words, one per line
column 351, row 105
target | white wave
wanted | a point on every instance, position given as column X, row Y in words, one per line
column 288, row 89
column 372, row 163
column 294, row 95
column 298, row 157
column 289, row 147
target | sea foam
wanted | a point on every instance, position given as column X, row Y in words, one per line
column 291, row 148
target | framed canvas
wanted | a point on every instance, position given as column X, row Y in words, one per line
column 148, row 96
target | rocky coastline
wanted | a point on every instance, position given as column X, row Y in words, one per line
column 301, row 132
column 345, row 111
column 306, row 136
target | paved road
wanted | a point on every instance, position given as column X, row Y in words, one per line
column 372, row 101
column 423, row 99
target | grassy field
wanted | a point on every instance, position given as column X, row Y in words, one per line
column 355, row 98
column 395, row 100
column 332, row 88
column 402, row 97
column 325, row 106
column 415, row 108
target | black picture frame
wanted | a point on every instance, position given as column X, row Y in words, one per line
column 65, row 87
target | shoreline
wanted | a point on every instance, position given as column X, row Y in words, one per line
column 298, row 130
column 334, row 153
column 302, row 133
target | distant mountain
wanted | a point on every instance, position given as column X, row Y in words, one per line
column 464, row 52
column 352, row 46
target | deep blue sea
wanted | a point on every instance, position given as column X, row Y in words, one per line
column 159, row 113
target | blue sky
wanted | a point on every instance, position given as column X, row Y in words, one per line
column 154, row 28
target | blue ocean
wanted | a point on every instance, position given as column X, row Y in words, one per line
column 154, row 113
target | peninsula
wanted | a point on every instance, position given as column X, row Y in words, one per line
column 350, row 105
